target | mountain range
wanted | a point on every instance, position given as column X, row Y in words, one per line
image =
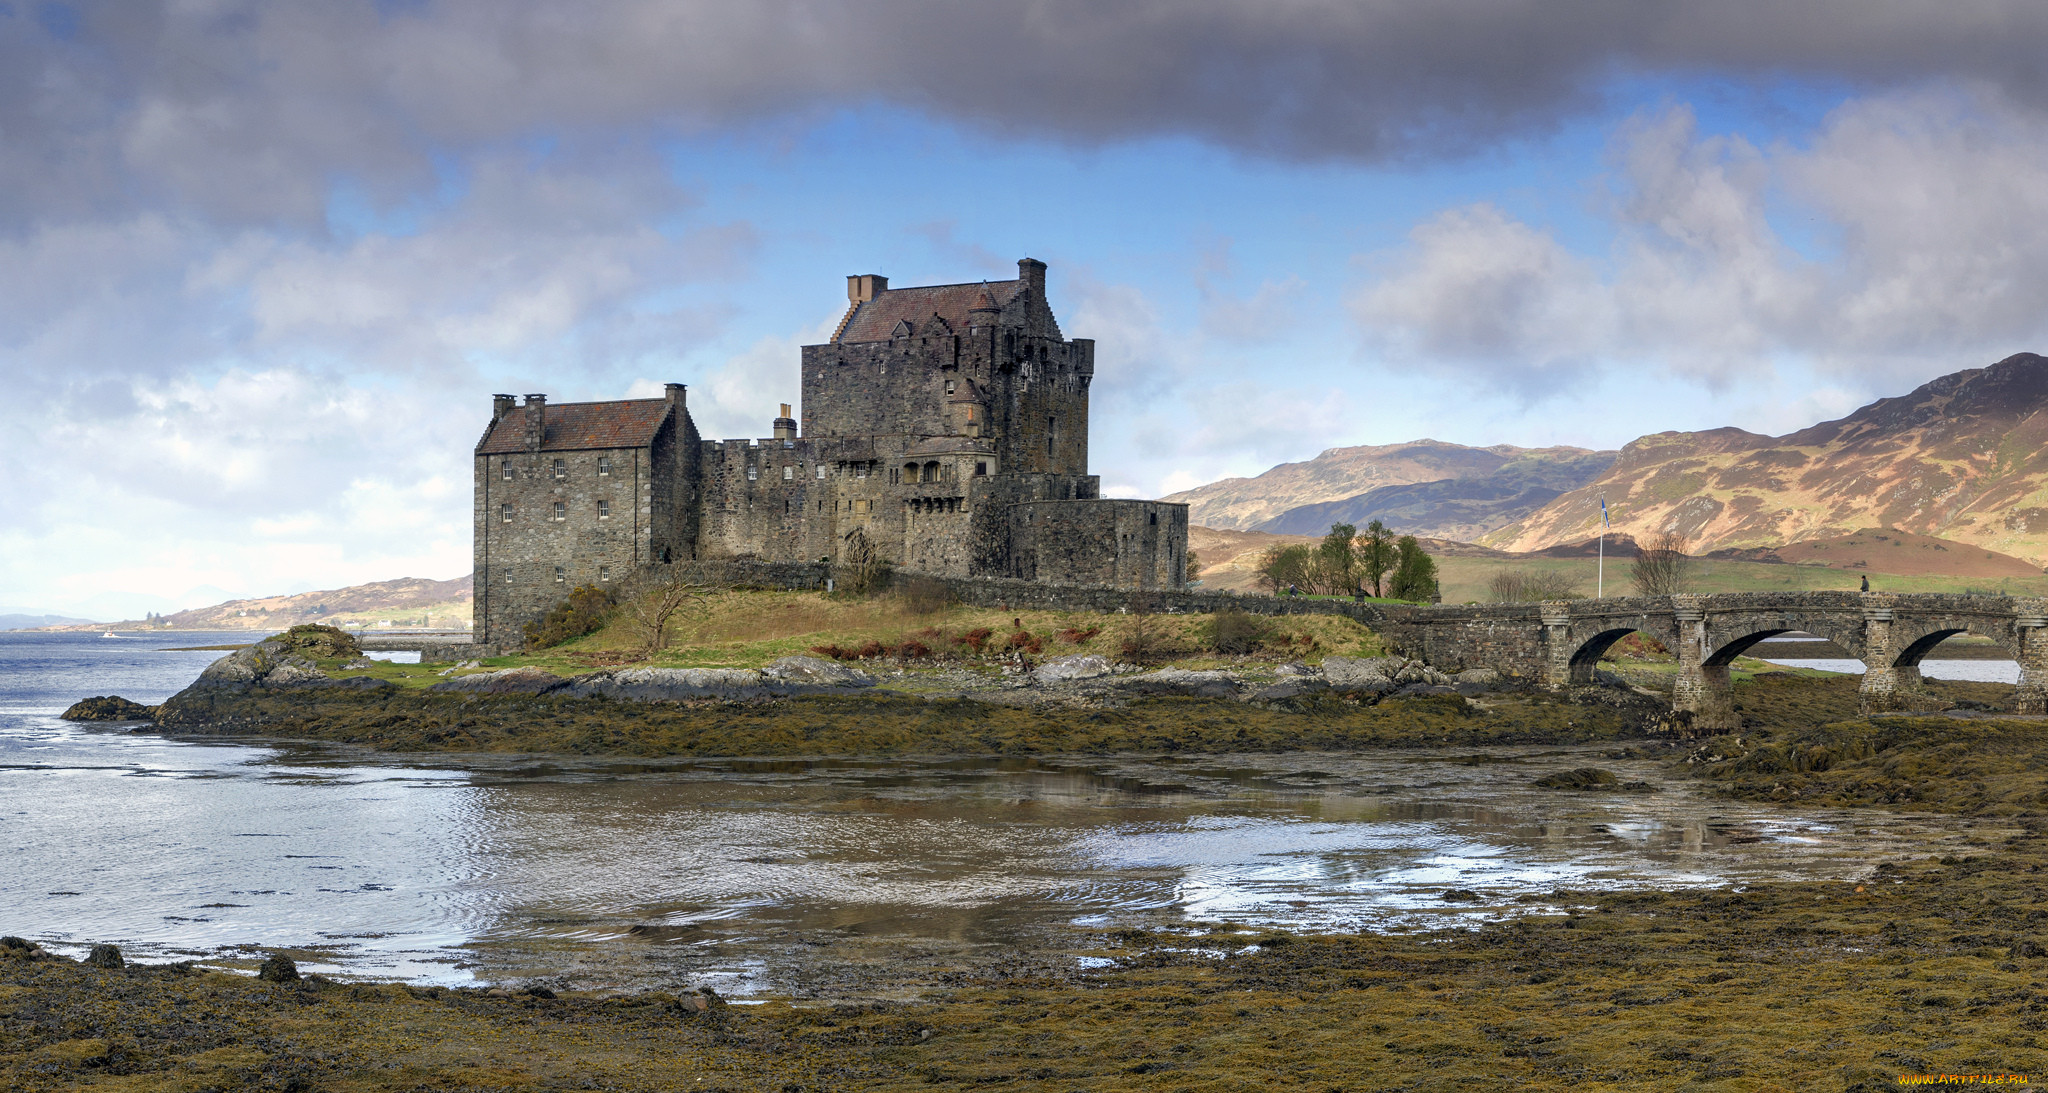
column 1427, row 486
column 1963, row 459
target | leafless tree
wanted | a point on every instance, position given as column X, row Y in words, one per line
column 655, row 611
column 1663, row 566
column 862, row 569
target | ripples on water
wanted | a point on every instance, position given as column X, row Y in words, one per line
column 637, row 872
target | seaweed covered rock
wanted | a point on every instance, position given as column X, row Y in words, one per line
column 814, row 672
column 316, row 642
column 1580, row 778
column 108, row 708
column 282, row 662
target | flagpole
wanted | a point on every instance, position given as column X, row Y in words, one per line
column 1600, row 573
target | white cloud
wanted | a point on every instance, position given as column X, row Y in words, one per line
column 1930, row 254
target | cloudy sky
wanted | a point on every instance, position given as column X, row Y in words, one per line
column 263, row 263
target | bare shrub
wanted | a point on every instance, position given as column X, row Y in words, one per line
column 1662, row 565
column 587, row 609
column 1234, row 633
column 653, row 613
column 862, row 569
column 923, row 595
column 1148, row 639
column 1532, row 585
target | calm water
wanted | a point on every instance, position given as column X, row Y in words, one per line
column 803, row 878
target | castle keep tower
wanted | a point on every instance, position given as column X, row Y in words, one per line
column 947, row 425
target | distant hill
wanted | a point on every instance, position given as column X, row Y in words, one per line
column 408, row 601
column 1457, row 508
column 1341, row 480
column 31, row 622
column 1963, row 458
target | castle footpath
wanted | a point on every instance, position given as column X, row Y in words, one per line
column 945, row 428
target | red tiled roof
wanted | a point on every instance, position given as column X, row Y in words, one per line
column 572, row 426
column 875, row 320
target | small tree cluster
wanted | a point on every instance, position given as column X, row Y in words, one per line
column 1414, row 576
column 585, row 611
column 1531, row 586
column 1345, row 562
column 1235, row 633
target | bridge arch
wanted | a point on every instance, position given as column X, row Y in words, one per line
column 1585, row 657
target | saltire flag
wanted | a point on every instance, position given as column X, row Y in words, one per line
column 1603, row 512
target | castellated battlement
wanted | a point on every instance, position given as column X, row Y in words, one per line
column 944, row 425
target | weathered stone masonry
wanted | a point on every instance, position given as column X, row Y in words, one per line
column 946, row 425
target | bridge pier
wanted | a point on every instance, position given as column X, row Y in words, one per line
column 1557, row 644
column 2031, row 630
column 1704, row 689
column 1884, row 682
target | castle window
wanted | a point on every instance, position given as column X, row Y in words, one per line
column 1155, row 519
column 860, row 470
column 604, row 465
column 561, row 468
column 753, row 472
column 980, row 469
column 561, row 511
column 508, row 576
column 560, row 576
column 505, row 514
column 604, row 510
column 1052, row 434
column 931, row 471
column 788, row 473
column 949, row 387
column 604, row 573
column 821, row 470
column 506, row 467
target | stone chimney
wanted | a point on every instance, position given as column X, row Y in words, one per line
column 536, row 421
column 862, row 287
column 1031, row 271
column 678, row 396
column 502, row 405
column 785, row 426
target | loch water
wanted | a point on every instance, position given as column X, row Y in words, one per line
column 826, row 877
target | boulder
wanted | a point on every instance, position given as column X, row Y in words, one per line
column 1358, row 674
column 1075, row 666
column 108, row 708
column 700, row 1000
column 816, row 672
column 665, row 684
column 511, row 681
column 1180, row 682
column 105, row 956
column 1484, row 677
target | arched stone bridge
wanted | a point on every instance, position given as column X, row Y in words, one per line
column 1559, row 642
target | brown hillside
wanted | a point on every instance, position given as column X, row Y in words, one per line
column 1903, row 553
column 408, row 601
column 1238, row 504
column 1963, row 458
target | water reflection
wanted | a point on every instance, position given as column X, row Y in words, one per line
column 791, row 876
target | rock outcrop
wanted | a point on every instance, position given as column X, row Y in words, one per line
column 108, row 708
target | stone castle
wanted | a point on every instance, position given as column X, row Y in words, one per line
column 945, row 428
